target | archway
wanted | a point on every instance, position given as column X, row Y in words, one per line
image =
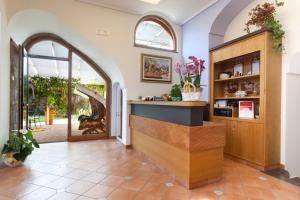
column 26, row 23
column 223, row 20
column 65, row 85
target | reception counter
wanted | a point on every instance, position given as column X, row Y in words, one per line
column 174, row 136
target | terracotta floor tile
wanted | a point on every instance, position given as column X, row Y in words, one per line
column 233, row 189
column 71, row 171
column 154, row 189
column 84, row 198
column 259, row 193
column 112, row 181
column 77, row 174
column 39, row 194
column 176, row 193
column 232, row 197
column 202, row 195
column 79, row 187
column 64, row 196
column 44, row 180
column 62, row 171
column 285, row 194
column 122, row 194
column 94, row 177
column 134, row 184
column 6, row 198
column 61, row 183
column 99, row 191
column 20, row 190
column 147, row 196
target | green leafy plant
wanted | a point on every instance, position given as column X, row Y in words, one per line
column 20, row 145
column 176, row 91
column 264, row 16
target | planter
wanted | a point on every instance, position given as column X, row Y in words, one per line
column 194, row 95
column 10, row 161
column 176, row 99
column 49, row 115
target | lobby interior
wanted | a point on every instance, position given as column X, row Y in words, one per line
column 149, row 99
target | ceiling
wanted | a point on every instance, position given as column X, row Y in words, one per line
column 179, row 11
column 56, row 68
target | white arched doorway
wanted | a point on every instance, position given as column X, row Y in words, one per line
column 30, row 22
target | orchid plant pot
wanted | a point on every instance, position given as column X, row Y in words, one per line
column 190, row 78
column 193, row 95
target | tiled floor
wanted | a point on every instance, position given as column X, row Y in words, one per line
column 106, row 170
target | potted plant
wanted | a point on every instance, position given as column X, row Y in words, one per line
column 176, row 93
column 19, row 146
column 50, row 110
column 264, row 17
column 190, row 78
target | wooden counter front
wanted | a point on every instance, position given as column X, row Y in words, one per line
column 192, row 154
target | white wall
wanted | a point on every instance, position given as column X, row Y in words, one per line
column 195, row 40
column 4, row 76
column 77, row 23
column 289, row 16
column 84, row 19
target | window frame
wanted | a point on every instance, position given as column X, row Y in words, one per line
column 164, row 24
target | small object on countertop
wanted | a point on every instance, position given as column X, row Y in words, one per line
column 155, row 98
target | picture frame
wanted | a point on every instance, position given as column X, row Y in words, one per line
column 255, row 67
column 238, row 69
column 156, row 68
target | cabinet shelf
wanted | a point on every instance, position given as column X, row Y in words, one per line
column 237, row 119
column 238, row 78
column 229, row 98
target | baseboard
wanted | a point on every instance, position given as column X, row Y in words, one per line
column 254, row 165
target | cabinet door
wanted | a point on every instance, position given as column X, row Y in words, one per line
column 231, row 130
column 251, row 142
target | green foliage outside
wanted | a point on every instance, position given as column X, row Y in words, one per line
column 101, row 89
column 55, row 90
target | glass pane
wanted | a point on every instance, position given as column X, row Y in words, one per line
column 88, row 100
column 48, row 99
column 152, row 34
column 25, row 91
column 49, row 48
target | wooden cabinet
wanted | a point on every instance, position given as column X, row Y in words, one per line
column 255, row 141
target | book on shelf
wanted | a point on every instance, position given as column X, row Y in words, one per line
column 246, row 109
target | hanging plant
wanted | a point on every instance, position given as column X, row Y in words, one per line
column 264, row 17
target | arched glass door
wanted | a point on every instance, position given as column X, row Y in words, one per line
column 65, row 94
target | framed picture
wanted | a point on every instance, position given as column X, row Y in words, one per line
column 156, row 68
column 238, row 69
column 255, row 67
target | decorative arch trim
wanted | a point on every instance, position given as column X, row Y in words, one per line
column 165, row 24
